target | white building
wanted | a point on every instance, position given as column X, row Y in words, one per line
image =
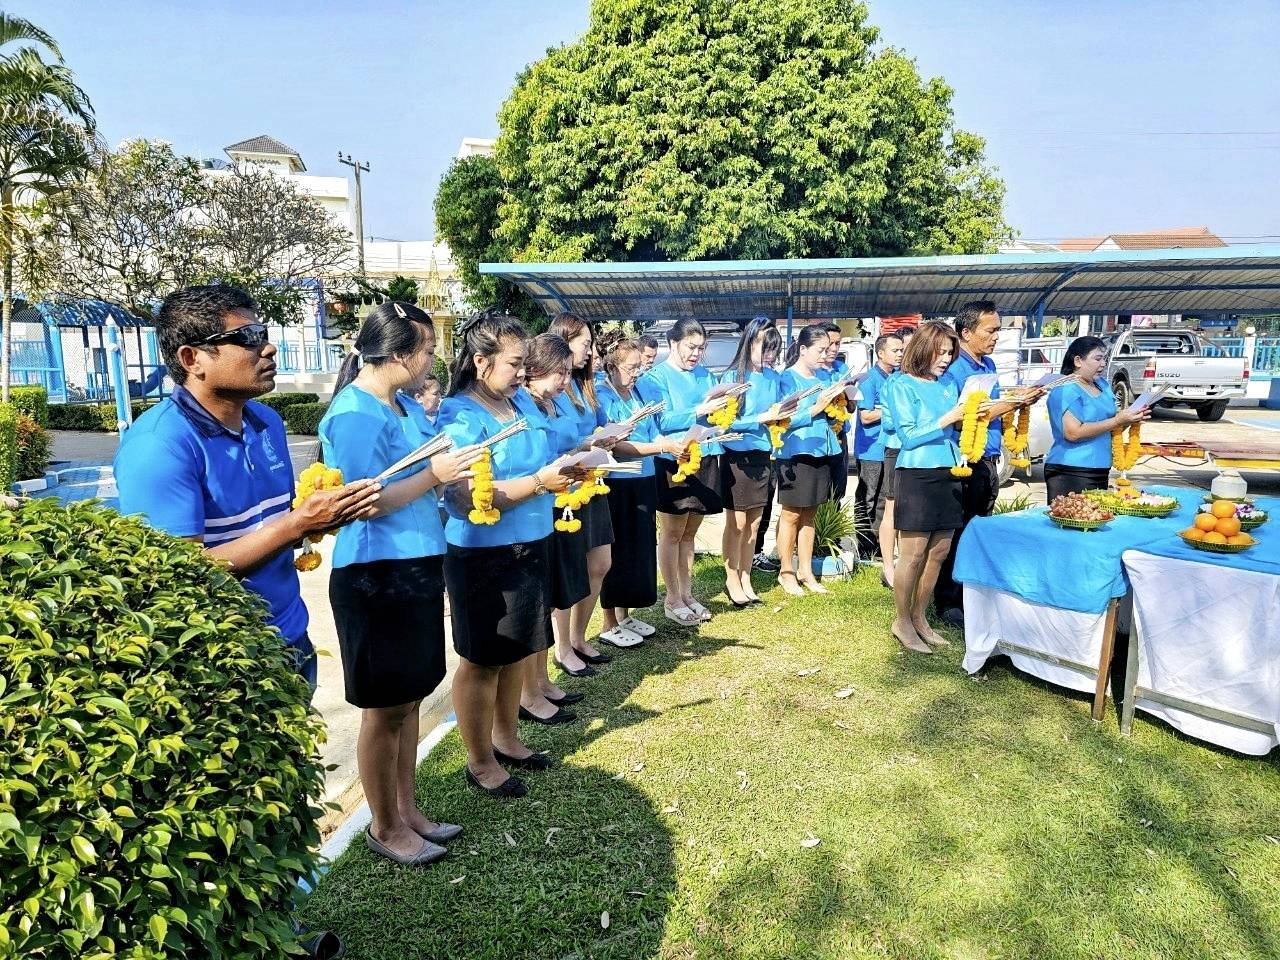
column 267, row 153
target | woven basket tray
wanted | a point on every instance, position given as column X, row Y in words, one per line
column 1246, row 524
column 1209, row 498
column 1217, row 547
column 1152, row 513
column 1085, row 525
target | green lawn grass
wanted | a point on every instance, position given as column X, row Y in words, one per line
column 955, row 817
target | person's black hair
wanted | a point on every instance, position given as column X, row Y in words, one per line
column 832, row 327
column 481, row 333
column 807, row 337
column 686, row 327
column 192, row 314
column 759, row 326
column 882, row 341
column 648, row 341
column 546, row 353
column 1081, row 347
column 392, row 329
column 971, row 314
column 567, row 326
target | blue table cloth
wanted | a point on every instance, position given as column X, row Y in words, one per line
column 1263, row 558
column 1028, row 555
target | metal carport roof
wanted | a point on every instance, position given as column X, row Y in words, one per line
column 1244, row 279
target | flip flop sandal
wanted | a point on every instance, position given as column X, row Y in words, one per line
column 682, row 615
column 428, row 853
column 638, row 627
column 621, row 637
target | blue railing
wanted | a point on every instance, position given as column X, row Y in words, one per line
column 312, row 360
column 1266, row 352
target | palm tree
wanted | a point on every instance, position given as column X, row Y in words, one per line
column 46, row 139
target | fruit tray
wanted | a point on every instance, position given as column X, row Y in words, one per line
column 1217, row 547
column 1209, row 498
column 1138, row 510
column 1086, row 525
column 1252, row 523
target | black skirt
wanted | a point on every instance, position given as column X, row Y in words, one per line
column 699, row 493
column 804, row 481
column 597, row 527
column 569, row 582
column 632, row 581
column 499, row 598
column 890, row 483
column 390, row 620
column 1060, row 479
column 928, row 500
column 744, row 479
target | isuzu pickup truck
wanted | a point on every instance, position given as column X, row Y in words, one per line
column 1193, row 368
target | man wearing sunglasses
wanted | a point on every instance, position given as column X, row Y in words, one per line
column 211, row 465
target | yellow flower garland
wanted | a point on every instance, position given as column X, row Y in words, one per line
column 315, row 477
column 1017, row 438
column 1125, row 456
column 837, row 412
column 973, row 434
column 483, row 512
column 576, row 499
column 688, row 464
column 724, row 417
column 776, row 431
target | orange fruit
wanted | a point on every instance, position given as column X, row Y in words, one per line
column 1214, row 537
column 1223, row 508
column 1240, row 539
column 1227, row 526
column 1206, row 521
column 1193, row 533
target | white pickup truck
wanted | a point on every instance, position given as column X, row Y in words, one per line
column 1193, row 368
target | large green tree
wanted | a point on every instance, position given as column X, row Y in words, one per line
column 702, row 129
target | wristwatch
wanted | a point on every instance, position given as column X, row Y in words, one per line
column 539, row 488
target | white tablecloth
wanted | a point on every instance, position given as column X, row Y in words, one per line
column 991, row 615
column 1210, row 635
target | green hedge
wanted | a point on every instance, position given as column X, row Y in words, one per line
column 159, row 764
column 304, row 417
column 91, row 416
column 33, row 448
column 279, row 402
column 33, row 401
column 8, row 448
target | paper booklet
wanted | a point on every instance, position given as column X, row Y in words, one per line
column 596, row 459
column 433, row 447
column 611, row 431
column 727, row 390
column 1149, row 398
column 983, row 382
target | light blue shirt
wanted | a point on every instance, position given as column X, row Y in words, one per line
column 562, row 431
column 962, row 368
column 766, row 390
column 362, row 436
column 519, row 456
column 869, row 443
column 808, row 435
column 682, row 391
column 887, row 429
column 617, row 409
column 586, row 419
column 1073, row 398
column 918, row 405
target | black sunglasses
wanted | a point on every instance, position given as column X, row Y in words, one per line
column 251, row 336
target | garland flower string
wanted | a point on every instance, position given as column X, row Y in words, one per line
column 837, row 412
column 973, row 434
column 577, row 498
column 1017, row 438
column 315, row 477
column 724, row 417
column 1125, row 455
column 776, row 431
column 483, row 512
column 688, row 463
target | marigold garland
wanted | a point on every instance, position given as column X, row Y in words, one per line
column 316, row 477
column 973, row 434
column 1017, row 438
column 776, row 431
column 837, row 412
column 688, row 464
column 483, row 512
column 724, row 417
column 1125, row 456
column 577, row 498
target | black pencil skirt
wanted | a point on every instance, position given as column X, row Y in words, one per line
column 1060, row 479
column 568, row 562
column 744, row 479
column 500, row 600
column 597, row 524
column 389, row 615
column 699, row 493
column 632, row 581
column 805, row 481
column 928, row 500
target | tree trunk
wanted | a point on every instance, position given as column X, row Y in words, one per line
column 6, row 309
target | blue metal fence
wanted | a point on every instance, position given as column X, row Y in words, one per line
column 312, row 360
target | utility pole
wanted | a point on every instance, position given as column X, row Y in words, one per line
column 357, row 166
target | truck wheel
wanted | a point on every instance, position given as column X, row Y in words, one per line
column 1124, row 396
column 1004, row 468
column 1211, row 412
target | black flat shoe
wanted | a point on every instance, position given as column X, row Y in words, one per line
column 535, row 761
column 884, row 582
column 567, row 699
column 511, row 787
column 587, row 671
column 560, row 716
column 755, row 602
column 743, row 605
column 597, row 658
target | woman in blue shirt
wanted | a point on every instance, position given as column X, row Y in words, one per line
column 682, row 383
column 745, row 464
column 928, row 507
column 632, row 581
column 804, row 462
column 497, row 574
column 387, row 584
column 1082, row 414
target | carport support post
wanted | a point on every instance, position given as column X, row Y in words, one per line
column 119, row 378
column 790, row 311
column 58, row 378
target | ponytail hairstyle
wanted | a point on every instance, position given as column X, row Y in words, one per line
column 391, row 330
column 547, row 353
column 686, row 327
column 807, row 337
column 758, row 327
column 567, row 326
column 481, row 333
column 1080, row 348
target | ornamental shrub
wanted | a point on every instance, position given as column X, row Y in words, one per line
column 33, row 401
column 304, row 417
column 158, row 756
column 279, row 401
column 32, row 448
column 75, row 416
column 8, row 446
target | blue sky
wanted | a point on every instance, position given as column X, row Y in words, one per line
column 1102, row 116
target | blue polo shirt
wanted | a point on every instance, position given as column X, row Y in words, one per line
column 962, row 368
column 1073, row 398
column 362, row 436
column 191, row 476
column 870, row 441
